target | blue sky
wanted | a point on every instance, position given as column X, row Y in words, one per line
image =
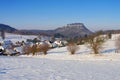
column 50, row 14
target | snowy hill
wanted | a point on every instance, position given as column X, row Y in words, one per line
column 59, row 65
column 108, row 52
column 70, row 31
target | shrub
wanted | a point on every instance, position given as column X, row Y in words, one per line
column 44, row 48
column 95, row 42
column 117, row 43
column 26, row 49
column 34, row 49
column 35, row 40
column 72, row 47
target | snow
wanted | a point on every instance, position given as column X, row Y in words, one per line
column 19, row 68
column 16, row 37
column 82, row 55
column 58, row 64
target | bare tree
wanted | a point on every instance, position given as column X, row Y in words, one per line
column 44, row 48
column 117, row 43
column 27, row 49
column 72, row 47
column 34, row 49
column 95, row 42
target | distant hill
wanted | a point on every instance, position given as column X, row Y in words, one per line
column 7, row 28
column 69, row 31
column 73, row 30
column 112, row 31
column 37, row 32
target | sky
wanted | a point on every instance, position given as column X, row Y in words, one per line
column 51, row 14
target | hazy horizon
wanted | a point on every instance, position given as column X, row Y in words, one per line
column 51, row 14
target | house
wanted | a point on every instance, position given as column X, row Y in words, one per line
column 44, row 38
column 7, row 43
column 58, row 43
column 1, row 49
column 19, row 49
column 10, row 52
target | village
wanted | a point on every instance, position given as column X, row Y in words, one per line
column 19, row 44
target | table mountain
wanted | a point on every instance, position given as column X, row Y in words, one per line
column 73, row 30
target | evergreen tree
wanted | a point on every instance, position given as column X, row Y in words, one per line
column 3, row 34
column 109, row 35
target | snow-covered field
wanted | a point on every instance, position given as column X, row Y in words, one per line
column 19, row 68
column 17, row 37
column 59, row 65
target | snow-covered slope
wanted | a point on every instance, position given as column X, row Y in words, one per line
column 107, row 53
column 18, row 68
column 59, row 65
